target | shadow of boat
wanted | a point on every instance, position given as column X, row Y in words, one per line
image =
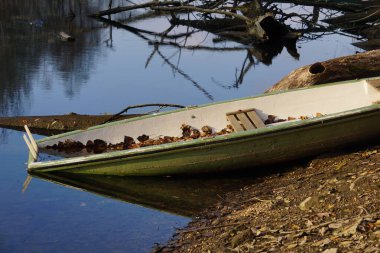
column 180, row 196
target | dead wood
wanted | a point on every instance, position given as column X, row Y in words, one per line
column 343, row 68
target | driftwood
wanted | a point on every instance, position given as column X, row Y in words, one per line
column 344, row 68
column 55, row 124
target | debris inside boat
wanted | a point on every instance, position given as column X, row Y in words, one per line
column 99, row 146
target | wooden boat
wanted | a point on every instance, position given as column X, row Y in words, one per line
column 327, row 116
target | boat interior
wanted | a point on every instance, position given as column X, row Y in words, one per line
column 245, row 113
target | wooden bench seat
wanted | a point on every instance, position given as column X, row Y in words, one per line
column 243, row 120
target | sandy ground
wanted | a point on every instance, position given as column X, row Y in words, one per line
column 327, row 204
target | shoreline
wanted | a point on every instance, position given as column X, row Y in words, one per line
column 329, row 204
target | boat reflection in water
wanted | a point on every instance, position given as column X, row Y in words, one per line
column 180, row 196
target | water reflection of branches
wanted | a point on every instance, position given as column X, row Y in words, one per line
column 175, row 67
column 168, row 39
column 239, row 74
column 263, row 28
column 139, row 32
column 227, row 14
column 186, row 76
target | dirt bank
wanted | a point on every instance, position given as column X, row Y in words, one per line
column 56, row 124
column 330, row 204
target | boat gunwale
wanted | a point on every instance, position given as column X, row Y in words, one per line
column 236, row 136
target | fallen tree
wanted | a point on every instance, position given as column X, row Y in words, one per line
column 359, row 65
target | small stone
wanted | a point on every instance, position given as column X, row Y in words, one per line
column 241, row 238
column 340, row 165
column 303, row 240
column 322, row 231
column 186, row 130
column 295, row 227
column 335, row 225
column 308, row 203
column 99, row 146
column 331, row 250
column 371, row 249
column 309, row 223
column 323, row 215
column 128, row 141
column 195, row 133
column 292, row 246
column 351, row 229
column 143, row 138
column 254, row 231
column 332, row 181
column 377, row 234
column 346, row 243
column 322, row 243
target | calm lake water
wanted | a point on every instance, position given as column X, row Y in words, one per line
column 104, row 71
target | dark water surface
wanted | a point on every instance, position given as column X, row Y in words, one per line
column 40, row 75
